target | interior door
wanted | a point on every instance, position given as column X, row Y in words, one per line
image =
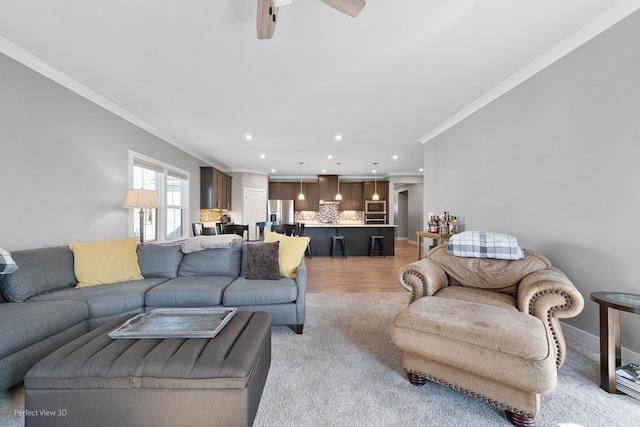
column 255, row 209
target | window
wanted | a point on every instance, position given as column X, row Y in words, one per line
column 170, row 184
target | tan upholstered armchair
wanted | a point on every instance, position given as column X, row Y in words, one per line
column 487, row 327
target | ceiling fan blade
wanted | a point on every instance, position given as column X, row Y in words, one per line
column 350, row 7
column 266, row 19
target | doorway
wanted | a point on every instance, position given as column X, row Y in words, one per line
column 402, row 215
column 255, row 209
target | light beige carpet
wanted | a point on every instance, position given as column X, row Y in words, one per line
column 344, row 371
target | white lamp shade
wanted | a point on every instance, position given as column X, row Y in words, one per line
column 144, row 199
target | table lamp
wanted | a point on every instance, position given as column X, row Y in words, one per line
column 143, row 199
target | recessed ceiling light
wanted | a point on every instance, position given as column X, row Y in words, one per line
column 395, row 157
column 324, row 171
column 262, row 156
column 329, row 156
column 273, row 171
column 248, row 137
column 338, row 137
column 421, row 170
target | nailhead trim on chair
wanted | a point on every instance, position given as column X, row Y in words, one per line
column 413, row 291
column 566, row 305
column 470, row 393
column 532, row 303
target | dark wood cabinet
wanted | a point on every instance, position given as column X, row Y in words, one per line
column 353, row 193
column 225, row 201
column 351, row 196
column 284, row 190
column 215, row 189
column 369, row 190
column 206, row 188
column 327, row 187
column 311, row 200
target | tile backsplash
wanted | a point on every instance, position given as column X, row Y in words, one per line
column 210, row 215
column 328, row 214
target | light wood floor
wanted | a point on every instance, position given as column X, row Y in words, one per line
column 359, row 273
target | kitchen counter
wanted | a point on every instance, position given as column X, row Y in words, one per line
column 356, row 235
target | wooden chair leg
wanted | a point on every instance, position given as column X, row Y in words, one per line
column 519, row 419
column 416, row 379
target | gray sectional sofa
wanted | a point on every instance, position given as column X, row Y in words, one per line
column 41, row 309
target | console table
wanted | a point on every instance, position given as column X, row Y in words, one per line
column 611, row 304
column 437, row 238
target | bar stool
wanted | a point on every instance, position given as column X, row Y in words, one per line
column 377, row 240
column 334, row 240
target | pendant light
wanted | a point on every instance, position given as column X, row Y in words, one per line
column 301, row 195
column 338, row 195
column 375, row 182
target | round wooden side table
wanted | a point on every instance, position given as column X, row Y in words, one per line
column 611, row 304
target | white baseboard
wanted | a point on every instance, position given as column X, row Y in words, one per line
column 593, row 342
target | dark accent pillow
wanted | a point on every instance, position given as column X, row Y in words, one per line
column 263, row 261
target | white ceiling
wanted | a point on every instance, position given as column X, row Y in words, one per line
column 194, row 73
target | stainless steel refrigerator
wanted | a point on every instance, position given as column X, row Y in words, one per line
column 280, row 212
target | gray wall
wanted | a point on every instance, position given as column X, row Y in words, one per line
column 64, row 170
column 242, row 180
column 556, row 162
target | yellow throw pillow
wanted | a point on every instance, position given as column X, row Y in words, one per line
column 291, row 251
column 104, row 262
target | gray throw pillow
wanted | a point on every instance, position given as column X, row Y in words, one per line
column 263, row 261
column 159, row 260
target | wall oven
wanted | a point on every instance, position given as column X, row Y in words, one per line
column 378, row 207
column 375, row 219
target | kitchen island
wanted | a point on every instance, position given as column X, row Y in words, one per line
column 356, row 236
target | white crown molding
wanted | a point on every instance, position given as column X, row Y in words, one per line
column 248, row 171
column 36, row 64
column 598, row 25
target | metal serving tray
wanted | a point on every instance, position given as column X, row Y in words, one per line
column 175, row 323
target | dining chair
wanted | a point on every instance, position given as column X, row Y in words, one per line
column 278, row 228
column 198, row 228
column 220, row 226
column 238, row 229
column 286, row 229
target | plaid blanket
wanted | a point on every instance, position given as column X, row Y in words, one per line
column 7, row 264
column 482, row 244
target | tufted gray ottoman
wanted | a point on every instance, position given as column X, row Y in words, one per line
column 98, row 381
